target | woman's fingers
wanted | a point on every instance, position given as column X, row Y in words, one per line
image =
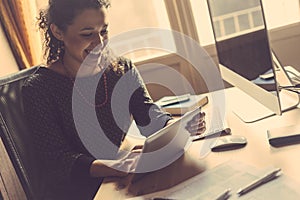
column 127, row 165
column 198, row 132
column 131, row 164
column 197, row 118
column 197, row 125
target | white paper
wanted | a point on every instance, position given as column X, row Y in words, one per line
column 234, row 175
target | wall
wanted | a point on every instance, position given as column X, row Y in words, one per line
column 153, row 70
column 8, row 64
column 285, row 41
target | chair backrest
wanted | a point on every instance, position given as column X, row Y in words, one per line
column 16, row 136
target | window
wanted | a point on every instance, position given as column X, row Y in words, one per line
column 279, row 13
column 233, row 17
column 134, row 14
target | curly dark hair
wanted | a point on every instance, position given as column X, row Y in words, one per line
column 62, row 13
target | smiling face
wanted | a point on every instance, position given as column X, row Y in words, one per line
column 82, row 36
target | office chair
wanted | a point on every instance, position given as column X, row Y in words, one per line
column 16, row 136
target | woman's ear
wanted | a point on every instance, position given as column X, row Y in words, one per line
column 58, row 34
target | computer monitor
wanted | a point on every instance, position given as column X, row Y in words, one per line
column 246, row 60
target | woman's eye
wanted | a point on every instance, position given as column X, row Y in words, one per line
column 87, row 34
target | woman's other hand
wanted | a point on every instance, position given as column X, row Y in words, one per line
column 197, row 125
column 115, row 168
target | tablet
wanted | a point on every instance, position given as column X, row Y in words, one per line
column 165, row 146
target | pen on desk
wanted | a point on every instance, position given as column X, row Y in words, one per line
column 226, row 131
column 268, row 177
column 225, row 195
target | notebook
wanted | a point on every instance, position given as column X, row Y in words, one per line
column 179, row 105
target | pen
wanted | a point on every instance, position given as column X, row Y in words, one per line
column 225, row 195
column 268, row 177
column 226, row 131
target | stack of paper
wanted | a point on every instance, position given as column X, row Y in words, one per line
column 233, row 175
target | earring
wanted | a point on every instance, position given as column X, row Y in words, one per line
column 62, row 45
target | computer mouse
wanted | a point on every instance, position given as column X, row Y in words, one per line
column 229, row 142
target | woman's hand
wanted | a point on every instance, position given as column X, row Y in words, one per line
column 197, row 125
column 115, row 168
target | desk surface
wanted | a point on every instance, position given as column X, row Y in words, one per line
column 258, row 153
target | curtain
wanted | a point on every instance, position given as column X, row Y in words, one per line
column 18, row 18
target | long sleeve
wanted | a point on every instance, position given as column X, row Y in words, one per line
column 147, row 115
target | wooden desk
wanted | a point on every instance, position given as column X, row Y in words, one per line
column 258, row 153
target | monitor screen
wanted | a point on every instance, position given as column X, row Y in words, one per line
column 246, row 60
column 243, row 50
column 241, row 40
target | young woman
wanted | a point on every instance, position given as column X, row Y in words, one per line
column 75, row 30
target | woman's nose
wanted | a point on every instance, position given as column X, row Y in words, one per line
column 98, row 39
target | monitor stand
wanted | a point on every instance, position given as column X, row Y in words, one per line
column 247, row 108
column 250, row 110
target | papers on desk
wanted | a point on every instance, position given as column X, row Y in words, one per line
column 233, row 175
